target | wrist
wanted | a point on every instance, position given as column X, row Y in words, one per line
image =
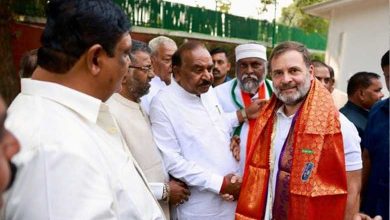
column 244, row 115
column 166, row 192
column 223, row 186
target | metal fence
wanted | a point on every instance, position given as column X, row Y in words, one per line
column 178, row 17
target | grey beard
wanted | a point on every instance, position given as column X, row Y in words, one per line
column 251, row 86
column 298, row 96
column 250, row 83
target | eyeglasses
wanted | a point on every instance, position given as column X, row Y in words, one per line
column 142, row 68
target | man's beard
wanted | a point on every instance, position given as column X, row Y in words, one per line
column 137, row 91
column 296, row 97
column 250, row 83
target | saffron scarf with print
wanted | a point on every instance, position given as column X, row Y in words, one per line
column 316, row 187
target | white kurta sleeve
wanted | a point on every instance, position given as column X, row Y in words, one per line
column 178, row 166
column 231, row 118
column 56, row 185
column 157, row 190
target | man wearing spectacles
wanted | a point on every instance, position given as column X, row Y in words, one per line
column 325, row 74
column 135, row 127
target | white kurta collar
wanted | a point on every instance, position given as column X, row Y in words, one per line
column 124, row 101
column 183, row 93
column 85, row 105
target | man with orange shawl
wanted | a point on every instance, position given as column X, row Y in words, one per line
column 305, row 159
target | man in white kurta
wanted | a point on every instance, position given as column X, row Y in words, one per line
column 162, row 50
column 73, row 163
column 135, row 127
column 194, row 140
column 192, row 133
column 251, row 62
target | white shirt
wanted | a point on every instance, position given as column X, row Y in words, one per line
column 192, row 134
column 351, row 141
column 73, row 163
column 137, row 132
column 156, row 84
column 225, row 98
column 340, row 98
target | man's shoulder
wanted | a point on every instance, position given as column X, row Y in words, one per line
column 225, row 86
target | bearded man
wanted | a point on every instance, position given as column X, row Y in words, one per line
column 250, row 85
column 305, row 160
column 135, row 127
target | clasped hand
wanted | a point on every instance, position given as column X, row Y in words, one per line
column 231, row 187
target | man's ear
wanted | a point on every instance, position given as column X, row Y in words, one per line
column 361, row 95
column 176, row 73
column 94, row 58
column 311, row 71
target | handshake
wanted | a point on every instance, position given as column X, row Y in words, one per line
column 231, row 186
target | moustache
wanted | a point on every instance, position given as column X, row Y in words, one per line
column 250, row 76
column 205, row 83
column 287, row 86
column 215, row 70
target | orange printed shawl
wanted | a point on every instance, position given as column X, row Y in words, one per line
column 316, row 140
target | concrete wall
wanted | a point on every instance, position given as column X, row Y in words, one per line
column 358, row 37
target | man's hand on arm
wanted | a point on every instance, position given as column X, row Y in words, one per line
column 178, row 192
column 235, row 147
column 252, row 111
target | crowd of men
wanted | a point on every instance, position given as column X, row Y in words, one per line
column 108, row 127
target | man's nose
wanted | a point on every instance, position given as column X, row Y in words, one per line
column 381, row 95
column 286, row 77
column 207, row 75
column 151, row 74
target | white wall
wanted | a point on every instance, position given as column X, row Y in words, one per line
column 358, row 37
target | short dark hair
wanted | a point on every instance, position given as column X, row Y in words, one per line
column 218, row 50
column 28, row 63
column 73, row 26
column 287, row 46
column 360, row 80
column 136, row 46
column 385, row 59
column 187, row 46
column 319, row 63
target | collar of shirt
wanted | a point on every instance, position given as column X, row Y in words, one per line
column 183, row 93
column 85, row 105
column 157, row 82
column 124, row 101
column 357, row 108
column 280, row 113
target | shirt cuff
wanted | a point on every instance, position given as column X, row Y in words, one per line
column 157, row 190
column 216, row 183
column 354, row 166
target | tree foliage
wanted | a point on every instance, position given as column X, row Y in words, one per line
column 294, row 16
column 9, row 80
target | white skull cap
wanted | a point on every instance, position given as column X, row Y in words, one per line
column 250, row 50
